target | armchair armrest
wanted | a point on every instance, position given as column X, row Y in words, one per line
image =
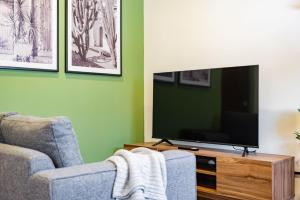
column 181, row 172
column 17, row 164
column 95, row 181
column 90, row 182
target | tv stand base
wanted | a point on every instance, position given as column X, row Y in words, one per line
column 162, row 141
column 245, row 152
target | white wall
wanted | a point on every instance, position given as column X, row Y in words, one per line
column 194, row 34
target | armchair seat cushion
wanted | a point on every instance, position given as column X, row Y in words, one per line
column 53, row 136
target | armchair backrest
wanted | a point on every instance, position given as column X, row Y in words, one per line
column 2, row 116
column 53, row 136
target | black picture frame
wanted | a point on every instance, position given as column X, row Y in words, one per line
column 69, row 40
column 52, row 67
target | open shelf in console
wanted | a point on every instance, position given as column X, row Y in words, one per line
column 206, row 164
column 207, row 181
column 206, row 174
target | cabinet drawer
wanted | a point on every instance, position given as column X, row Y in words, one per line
column 244, row 179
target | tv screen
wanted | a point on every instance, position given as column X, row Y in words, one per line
column 217, row 106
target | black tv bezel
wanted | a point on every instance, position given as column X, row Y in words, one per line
column 208, row 142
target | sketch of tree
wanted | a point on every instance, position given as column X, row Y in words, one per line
column 20, row 19
column 12, row 22
column 32, row 33
column 44, row 25
column 26, row 31
column 107, row 10
column 84, row 15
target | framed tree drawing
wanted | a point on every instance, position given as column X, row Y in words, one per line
column 29, row 34
column 94, row 37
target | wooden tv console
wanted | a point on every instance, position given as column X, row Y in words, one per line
column 255, row 177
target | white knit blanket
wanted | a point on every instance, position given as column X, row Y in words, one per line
column 141, row 174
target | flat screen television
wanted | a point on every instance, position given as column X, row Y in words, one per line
column 218, row 106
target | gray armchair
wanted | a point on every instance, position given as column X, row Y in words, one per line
column 33, row 174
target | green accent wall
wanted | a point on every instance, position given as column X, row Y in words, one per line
column 106, row 111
